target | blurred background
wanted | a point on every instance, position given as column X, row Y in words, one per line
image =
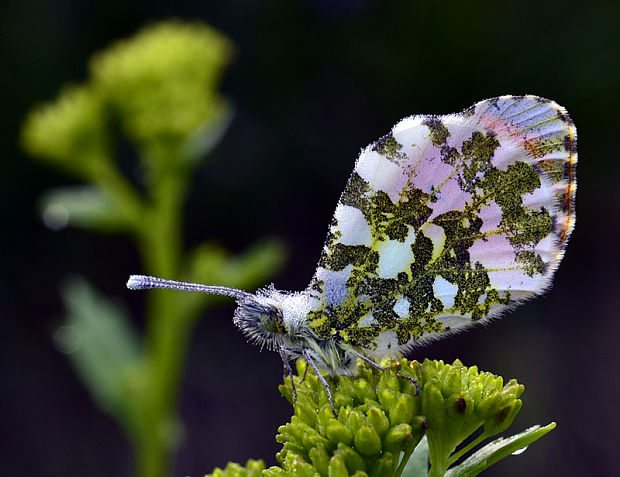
column 311, row 82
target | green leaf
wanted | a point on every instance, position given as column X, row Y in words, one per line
column 497, row 450
column 201, row 142
column 98, row 339
column 212, row 264
column 417, row 466
column 86, row 207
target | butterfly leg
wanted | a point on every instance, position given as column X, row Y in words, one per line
column 288, row 371
column 303, row 378
column 309, row 359
column 381, row 368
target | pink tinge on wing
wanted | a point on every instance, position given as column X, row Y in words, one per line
column 541, row 197
column 451, row 198
column 491, row 215
column 547, row 249
column 506, row 131
column 507, row 154
column 460, row 131
column 517, row 282
column 494, row 252
column 430, row 171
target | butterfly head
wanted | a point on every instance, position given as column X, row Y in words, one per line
column 265, row 316
column 260, row 321
column 273, row 319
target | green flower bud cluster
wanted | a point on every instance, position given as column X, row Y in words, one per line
column 253, row 468
column 457, row 401
column 381, row 419
column 70, row 132
column 160, row 85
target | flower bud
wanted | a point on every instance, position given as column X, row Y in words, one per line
column 384, row 466
column 337, row 467
column 396, row 437
column 354, row 460
column 377, row 419
column 402, row 409
column 336, row 432
column 367, row 441
column 320, row 459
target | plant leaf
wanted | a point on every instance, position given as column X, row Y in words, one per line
column 102, row 347
column 417, row 466
column 200, row 143
column 497, row 450
column 82, row 206
column 212, row 264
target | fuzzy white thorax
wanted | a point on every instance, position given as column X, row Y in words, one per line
column 297, row 336
column 294, row 307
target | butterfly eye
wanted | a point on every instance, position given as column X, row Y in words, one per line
column 267, row 317
column 271, row 319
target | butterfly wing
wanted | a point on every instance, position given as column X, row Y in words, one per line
column 446, row 221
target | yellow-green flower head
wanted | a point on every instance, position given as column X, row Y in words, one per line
column 68, row 129
column 162, row 82
column 380, row 417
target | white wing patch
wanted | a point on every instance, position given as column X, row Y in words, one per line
column 352, row 226
column 445, row 291
column 395, row 256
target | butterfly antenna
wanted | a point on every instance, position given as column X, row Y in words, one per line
column 144, row 282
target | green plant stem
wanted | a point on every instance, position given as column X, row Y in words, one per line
column 160, row 238
column 167, row 339
column 127, row 200
column 439, row 453
column 168, row 328
column 457, row 455
column 157, row 228
column 406, row 456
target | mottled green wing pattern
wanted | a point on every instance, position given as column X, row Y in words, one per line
column 447, row 221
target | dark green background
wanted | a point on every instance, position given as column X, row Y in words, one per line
column 313, row 81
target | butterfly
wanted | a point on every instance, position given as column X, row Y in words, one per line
column 445, row 222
